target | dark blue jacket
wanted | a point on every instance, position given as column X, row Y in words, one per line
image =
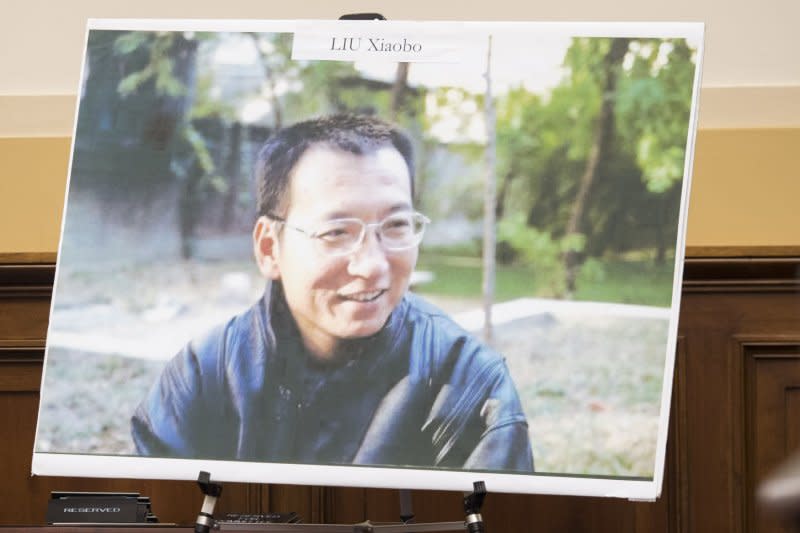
column 421, row 392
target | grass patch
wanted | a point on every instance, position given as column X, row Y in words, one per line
column 640, row 282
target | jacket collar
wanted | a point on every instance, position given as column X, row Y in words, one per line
column 364, row 355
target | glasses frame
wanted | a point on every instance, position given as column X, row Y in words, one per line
column 365, row 226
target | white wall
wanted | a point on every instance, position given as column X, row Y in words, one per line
column 751, row 71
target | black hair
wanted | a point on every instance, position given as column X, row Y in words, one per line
column 357, row 134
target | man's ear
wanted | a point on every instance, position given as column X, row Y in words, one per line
column 265, row 247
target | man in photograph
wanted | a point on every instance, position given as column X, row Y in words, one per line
column 338, row 363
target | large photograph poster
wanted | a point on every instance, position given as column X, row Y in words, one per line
column 282, row 242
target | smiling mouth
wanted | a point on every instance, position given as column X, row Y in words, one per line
column 363, row 297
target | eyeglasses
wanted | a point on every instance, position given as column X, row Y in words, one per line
column 344, row 236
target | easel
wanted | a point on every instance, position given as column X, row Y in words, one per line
column 473, row 521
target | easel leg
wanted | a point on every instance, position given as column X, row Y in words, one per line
column 406, row 508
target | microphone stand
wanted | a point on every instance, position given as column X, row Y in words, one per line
column 212, row 491
column 472, row 507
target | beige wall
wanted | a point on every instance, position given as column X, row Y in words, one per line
column 33, row 177
column 745, row 188
column 747, row 43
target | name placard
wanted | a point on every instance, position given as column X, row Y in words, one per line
column 383, row 41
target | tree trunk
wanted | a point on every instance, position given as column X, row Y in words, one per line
column 269, row 77
column 489, row 201
column 603, row 130
column 233, row 169
column 500, row 205
column 182, row 153
column 399, row 89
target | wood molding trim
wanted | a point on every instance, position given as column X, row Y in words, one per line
column 27, row 274
column 15, row 352
column 22, row 258
column 694, row 252
column 741, row 274
column 36, row 271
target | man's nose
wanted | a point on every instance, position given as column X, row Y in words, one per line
column 369, row 260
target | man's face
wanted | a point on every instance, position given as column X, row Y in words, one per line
column 349, row 296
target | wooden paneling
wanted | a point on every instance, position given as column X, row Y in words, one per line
column 732, row 310
column 735, row 408
column 772, row 397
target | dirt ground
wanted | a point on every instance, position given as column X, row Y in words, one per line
column 590, row 385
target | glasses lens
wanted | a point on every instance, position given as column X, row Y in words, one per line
column 396, row 232
column 339, row 236
column 401, row 231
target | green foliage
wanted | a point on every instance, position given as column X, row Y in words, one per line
column 542, row 141
column 593, row 271
column 208, row 177
column 540, row 250
column 320, row 88
column 543, row 144
column 543, row 253
column 160, row 67
column 459, row 114
column 662, row 165
column 133, row 81
column 129, row 42
column 206, row 106
column 653, row 109
column 579, row 98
